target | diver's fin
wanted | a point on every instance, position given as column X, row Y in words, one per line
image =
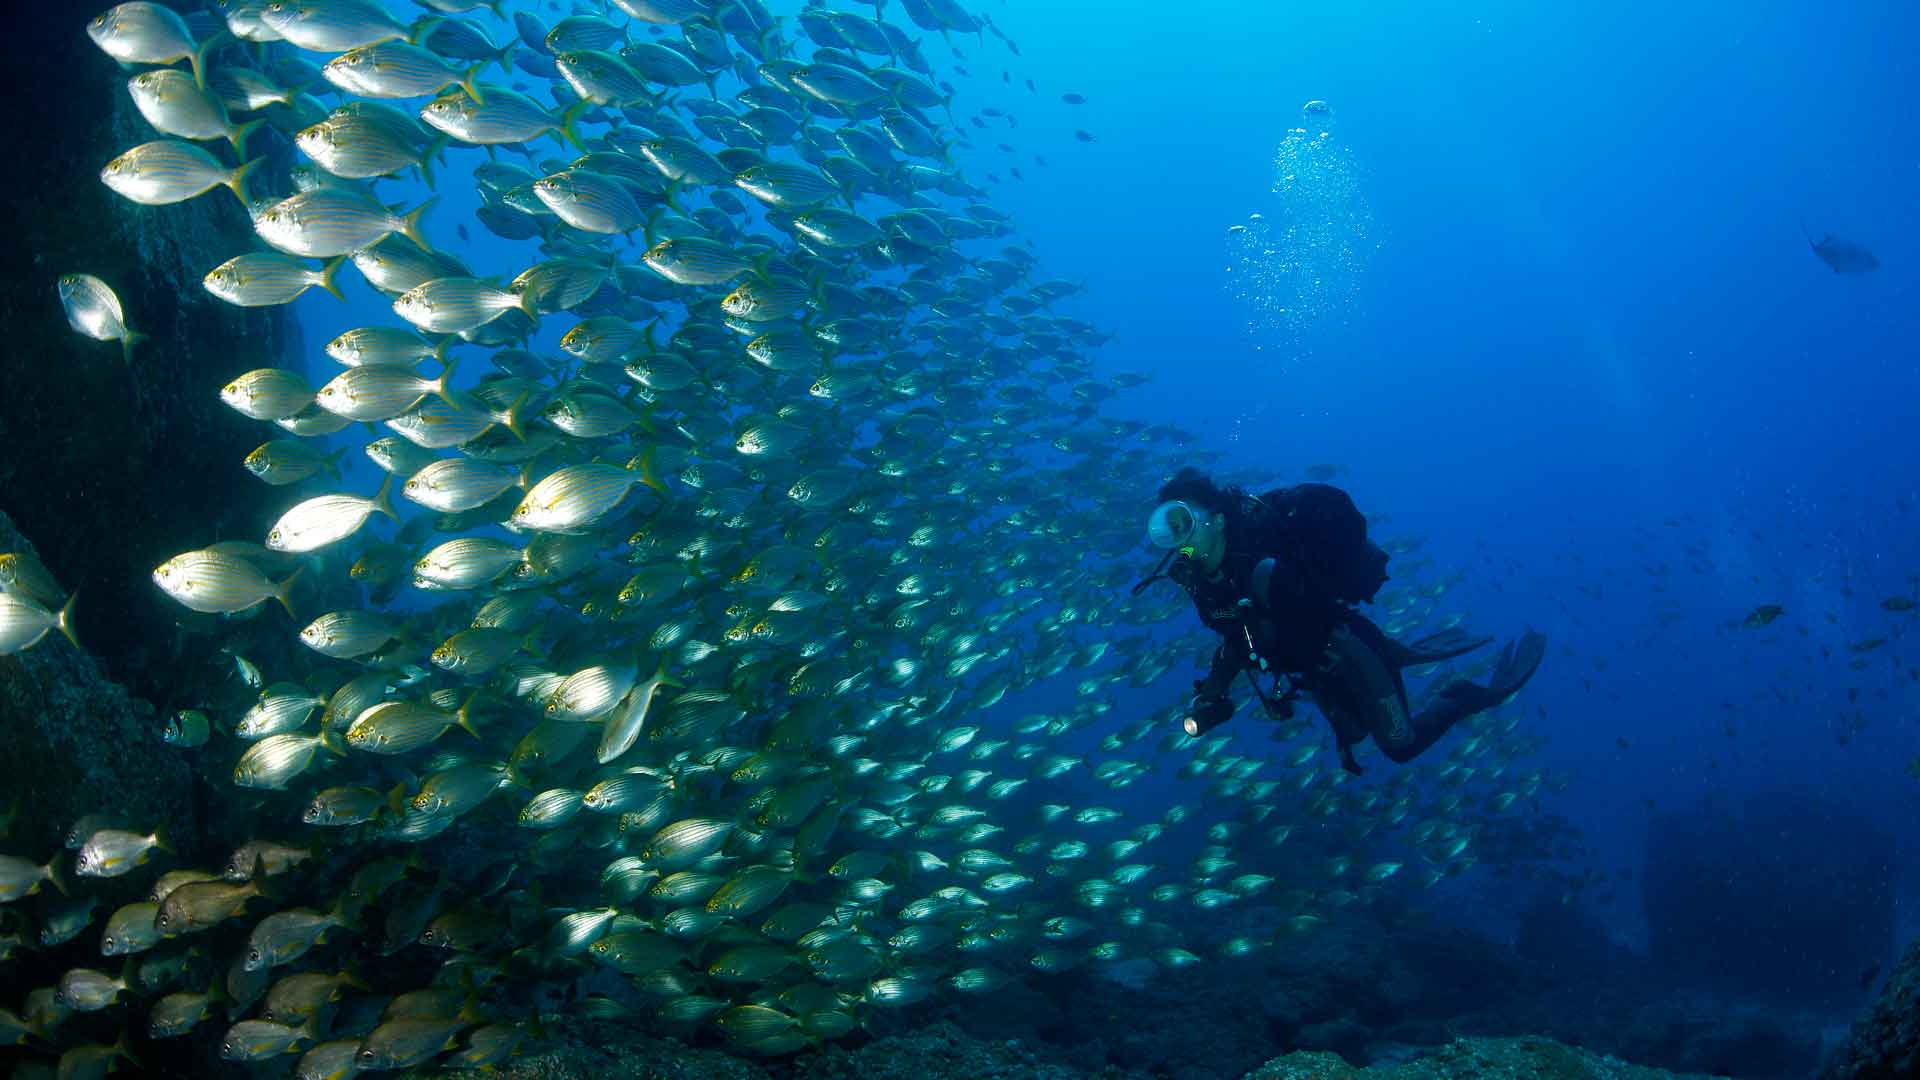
column 1518, row 661
column 1444, row 645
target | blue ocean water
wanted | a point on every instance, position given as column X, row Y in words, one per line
column 1535, row 285
column 1555, row 315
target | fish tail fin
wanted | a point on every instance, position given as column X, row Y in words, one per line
column 463, row 717
column 519, row 779
column 200, row 53
column 418, row 30
column 330, row 742
column 236, row 180
column 127, row 341
column 331, row 462
column 661, row 676
column 468, row 84
column 568, row 130
column 427, row 157
column 505, row 59
column 283, row 591
column 383, row 499
column 643, row 464
column 517, row 422
column 410, row 224
column 53, row 876
column 443, row 346
column 120, row 1048
column 327, row 272
column 163, row 839
column 443, row 386
column 238, row 137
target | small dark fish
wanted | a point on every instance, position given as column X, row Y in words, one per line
column 1083, row 136
column 1869, row 977
column 1841, row 256
column 1762, row 615
column 1007, row 77
column 1015, row 173
column 1031, row 89
column 1074, row 99
column 462, row 230
column 1897, row 603
column 1868, row 645
column 1622, row 743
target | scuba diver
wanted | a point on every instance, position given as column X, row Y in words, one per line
column 1277, row 577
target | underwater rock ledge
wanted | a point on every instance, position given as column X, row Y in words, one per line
column 115, row 467
column 1885, row 1042
column 77, row 743
column 941, row 1051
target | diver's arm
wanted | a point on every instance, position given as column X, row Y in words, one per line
column 1210, row 706
column 1228, row 659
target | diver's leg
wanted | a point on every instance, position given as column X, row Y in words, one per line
column 1460, row 699
column 1360, row 689
column 1432, row 722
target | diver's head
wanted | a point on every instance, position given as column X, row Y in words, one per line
column 1192, row 518
column 1191, row 532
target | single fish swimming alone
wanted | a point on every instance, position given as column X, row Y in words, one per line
column 94, row 310
column 1841, row 256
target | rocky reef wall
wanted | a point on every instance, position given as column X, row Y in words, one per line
column 113, row 467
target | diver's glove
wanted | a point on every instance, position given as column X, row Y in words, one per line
column 1206, row 711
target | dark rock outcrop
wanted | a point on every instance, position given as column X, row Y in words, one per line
column 1791, row 897
column 78, row 744
column 1467, row 1059
column 1885, row 1043
column 112, row 468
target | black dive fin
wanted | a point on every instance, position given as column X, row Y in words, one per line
column 1444, row 645
column 1518, row 661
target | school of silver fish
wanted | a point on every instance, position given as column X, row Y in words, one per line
column 731, row 591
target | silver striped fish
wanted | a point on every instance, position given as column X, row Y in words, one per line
column 175, row 104
column 696, row 260
column 435, row 424
column 590, row 202
column 456, row 484
column 331, row 26
column 265, row 278
column 372, row 392
column 335, row 221
column 93, row 309
column 168, row 171
column 217, row 584
column 327, row 519
column 451, row 305
column 466, row 562
column 397, row 69
column 575, row 498
column 385, row 345
column 348, row 634
column 502, row 117
column 267, row 394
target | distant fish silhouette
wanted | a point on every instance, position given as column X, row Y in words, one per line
column 1843, row 256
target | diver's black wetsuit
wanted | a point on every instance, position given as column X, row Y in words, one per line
column 1297, row 560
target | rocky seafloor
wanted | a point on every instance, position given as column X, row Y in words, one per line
column 943, row 1052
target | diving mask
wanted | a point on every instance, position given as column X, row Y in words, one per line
column 1174, row 525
